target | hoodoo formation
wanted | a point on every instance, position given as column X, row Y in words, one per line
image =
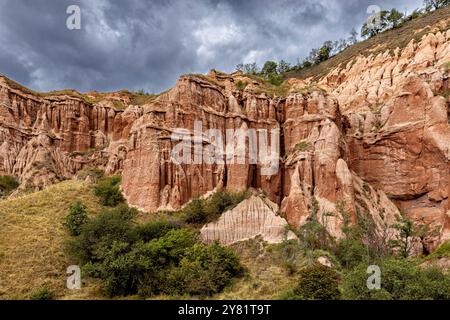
column 372, row 135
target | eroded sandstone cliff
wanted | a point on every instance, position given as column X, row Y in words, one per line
column 371, row 137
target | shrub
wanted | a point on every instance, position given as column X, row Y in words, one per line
column 193, row 212
column 76, row 218
column 314, row 236
column 350, row 252
column 201, row 211
column 97, row 235
column 108, row 189
column 275, row 79
column 155, row 229
column 125, row 267
column 204, row 270
column 241, row 85
column 221, row 202
column 409, row 235
column 442, row 252
column 302, row 146
column 158, row 257
column 318, row 283
column 7, row 185
column 42, row 294
column 401, row 279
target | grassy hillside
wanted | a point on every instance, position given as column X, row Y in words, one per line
column 389, row 40
column 32, row 239
column 32, row 255
column 271, row 271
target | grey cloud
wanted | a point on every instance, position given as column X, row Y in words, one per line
column 148, row 44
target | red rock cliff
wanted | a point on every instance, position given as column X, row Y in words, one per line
column 372, row 136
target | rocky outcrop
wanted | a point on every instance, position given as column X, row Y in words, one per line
column 396, row 123
column 370, row 139
column 152, row 180
column 254, row 217
column 45, row 139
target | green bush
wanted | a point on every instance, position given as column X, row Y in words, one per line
column 442, row 252
column 7, row 185
column 97, row 235
column 201, row 211
column 125, row 267
column 155, row 229
column 401, row 279
column 42, row 294
column 128, row 267
column 275, row 79
column 194, row 213
column 108, row 189
column 76, row 218
column 159, row 257
column 350, row 253
column 221, row 202
column 317, row 283
column 204, row 270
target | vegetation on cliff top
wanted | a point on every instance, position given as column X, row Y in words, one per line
column 395, row 30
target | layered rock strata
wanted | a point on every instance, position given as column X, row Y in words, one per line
column 371, row 138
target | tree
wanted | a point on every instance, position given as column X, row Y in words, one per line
column 376, row 23
column 283, row 67
column 401, row 279
column 353, row 39
column 409, row 236
column 76, row 218
column 325, row 51
column 194, row 213
column 248, row 68
column 108, row 189
column 395, row 18
column 431, row 5
column 318, row 283
column 322, row 54
column 269, row 68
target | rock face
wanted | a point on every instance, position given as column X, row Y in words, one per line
column 254, row 217
column 371, row 139
column 47, row 139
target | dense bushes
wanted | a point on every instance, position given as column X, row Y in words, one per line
column 159, row 257
column 108, row 189
column 317, row 282
column 98, row 235
column 76, row 218
column 363, row 245
column 201, row 211
column 401, row 279
column 204, row 270
column 155, row 229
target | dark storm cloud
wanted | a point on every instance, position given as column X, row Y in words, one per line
column 148, row 44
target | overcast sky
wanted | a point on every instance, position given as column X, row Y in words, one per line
column 148, row 44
